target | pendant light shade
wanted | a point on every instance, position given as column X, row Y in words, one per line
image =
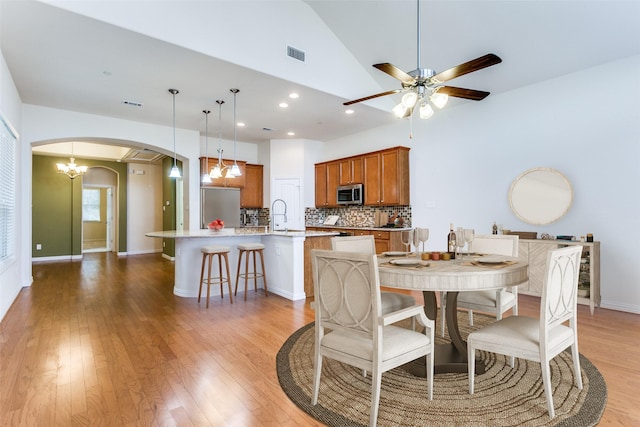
column 235, row 169
column 175, row 172
column 206, row 179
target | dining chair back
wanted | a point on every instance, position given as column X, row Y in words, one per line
column 391, row 301
column 540, row 339
column 365, row 244
column 351, row 328
column 489, row 301
column 497, row 244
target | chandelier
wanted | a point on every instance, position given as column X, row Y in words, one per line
column 71, row 169
column 220, row 169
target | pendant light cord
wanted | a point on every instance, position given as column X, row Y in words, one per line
column 174, row 127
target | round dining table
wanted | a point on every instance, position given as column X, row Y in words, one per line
column 452, row 277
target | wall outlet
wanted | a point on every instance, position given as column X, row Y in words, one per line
column 38, row 246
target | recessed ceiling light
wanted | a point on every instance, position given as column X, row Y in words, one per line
column 294, row 95
column 349, row 112
column 291, row 133
column 283, row 105
column 240, row 124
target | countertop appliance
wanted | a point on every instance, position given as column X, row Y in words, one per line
column 350, row 194
column 223, row 203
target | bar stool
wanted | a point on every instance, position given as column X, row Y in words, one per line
column 251, row 249
column 208, row 252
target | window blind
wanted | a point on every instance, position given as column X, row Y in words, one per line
column 8, row 138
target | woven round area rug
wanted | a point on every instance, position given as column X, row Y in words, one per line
column 503, row 396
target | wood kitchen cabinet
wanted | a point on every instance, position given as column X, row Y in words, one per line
column 235, row 182
column 327, row 178
column 385, row 241
column 386, row 177
column 251, row 195
column 351, row 170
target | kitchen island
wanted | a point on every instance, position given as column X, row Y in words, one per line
column 285, row 257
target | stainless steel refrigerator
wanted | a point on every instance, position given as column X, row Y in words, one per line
column 223, row 203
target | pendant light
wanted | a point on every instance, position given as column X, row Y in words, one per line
column 235, row 169
column 71, row 169
column 206, row 179
column 220, row 167
column 175, row 172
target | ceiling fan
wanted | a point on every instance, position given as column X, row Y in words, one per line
column 423, row 86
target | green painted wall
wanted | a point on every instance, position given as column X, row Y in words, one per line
column 53, row 195
column 169, row 211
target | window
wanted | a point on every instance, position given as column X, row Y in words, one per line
column 8, row 139
column 91, row 204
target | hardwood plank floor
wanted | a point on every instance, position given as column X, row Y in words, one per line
column 105, row 341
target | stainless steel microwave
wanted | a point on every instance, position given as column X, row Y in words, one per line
column 350, row 194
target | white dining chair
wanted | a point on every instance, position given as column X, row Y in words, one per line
column 488, row 301
column 391, row 301
column 542, row 339
column 351, row 328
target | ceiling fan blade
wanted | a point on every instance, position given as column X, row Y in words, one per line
column 468, row 67
column 377, row 95
column 395, row 72
column 458, row 92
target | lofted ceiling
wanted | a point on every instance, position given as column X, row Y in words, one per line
column 62, row 56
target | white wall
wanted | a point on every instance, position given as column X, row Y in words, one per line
column 15, row 273
column 144, row 207
column 464, row 159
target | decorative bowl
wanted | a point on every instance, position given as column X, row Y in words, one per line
column 215, row 227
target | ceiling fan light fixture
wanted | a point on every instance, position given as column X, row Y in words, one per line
column 409, row 99
column 400, row 110
column 439, row 99
column 425, row 110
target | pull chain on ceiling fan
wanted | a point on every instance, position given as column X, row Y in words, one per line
column 423, row 86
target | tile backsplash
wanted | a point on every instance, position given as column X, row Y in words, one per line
column 355, row 216
column 350, row 216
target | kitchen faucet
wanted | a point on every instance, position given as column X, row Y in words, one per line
column 273, row 214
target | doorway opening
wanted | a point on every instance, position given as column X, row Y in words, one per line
column 99, row 225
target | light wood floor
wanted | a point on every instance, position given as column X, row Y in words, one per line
column 105, row 341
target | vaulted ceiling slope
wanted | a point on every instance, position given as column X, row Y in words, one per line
column 92, row 56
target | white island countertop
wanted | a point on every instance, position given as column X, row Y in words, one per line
column 284, row 256
column 235, row 232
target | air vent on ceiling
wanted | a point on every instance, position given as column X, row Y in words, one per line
column 295, row 53
column 142, row 155
column 132, row 103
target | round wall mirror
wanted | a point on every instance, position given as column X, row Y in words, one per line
column 540, row 196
